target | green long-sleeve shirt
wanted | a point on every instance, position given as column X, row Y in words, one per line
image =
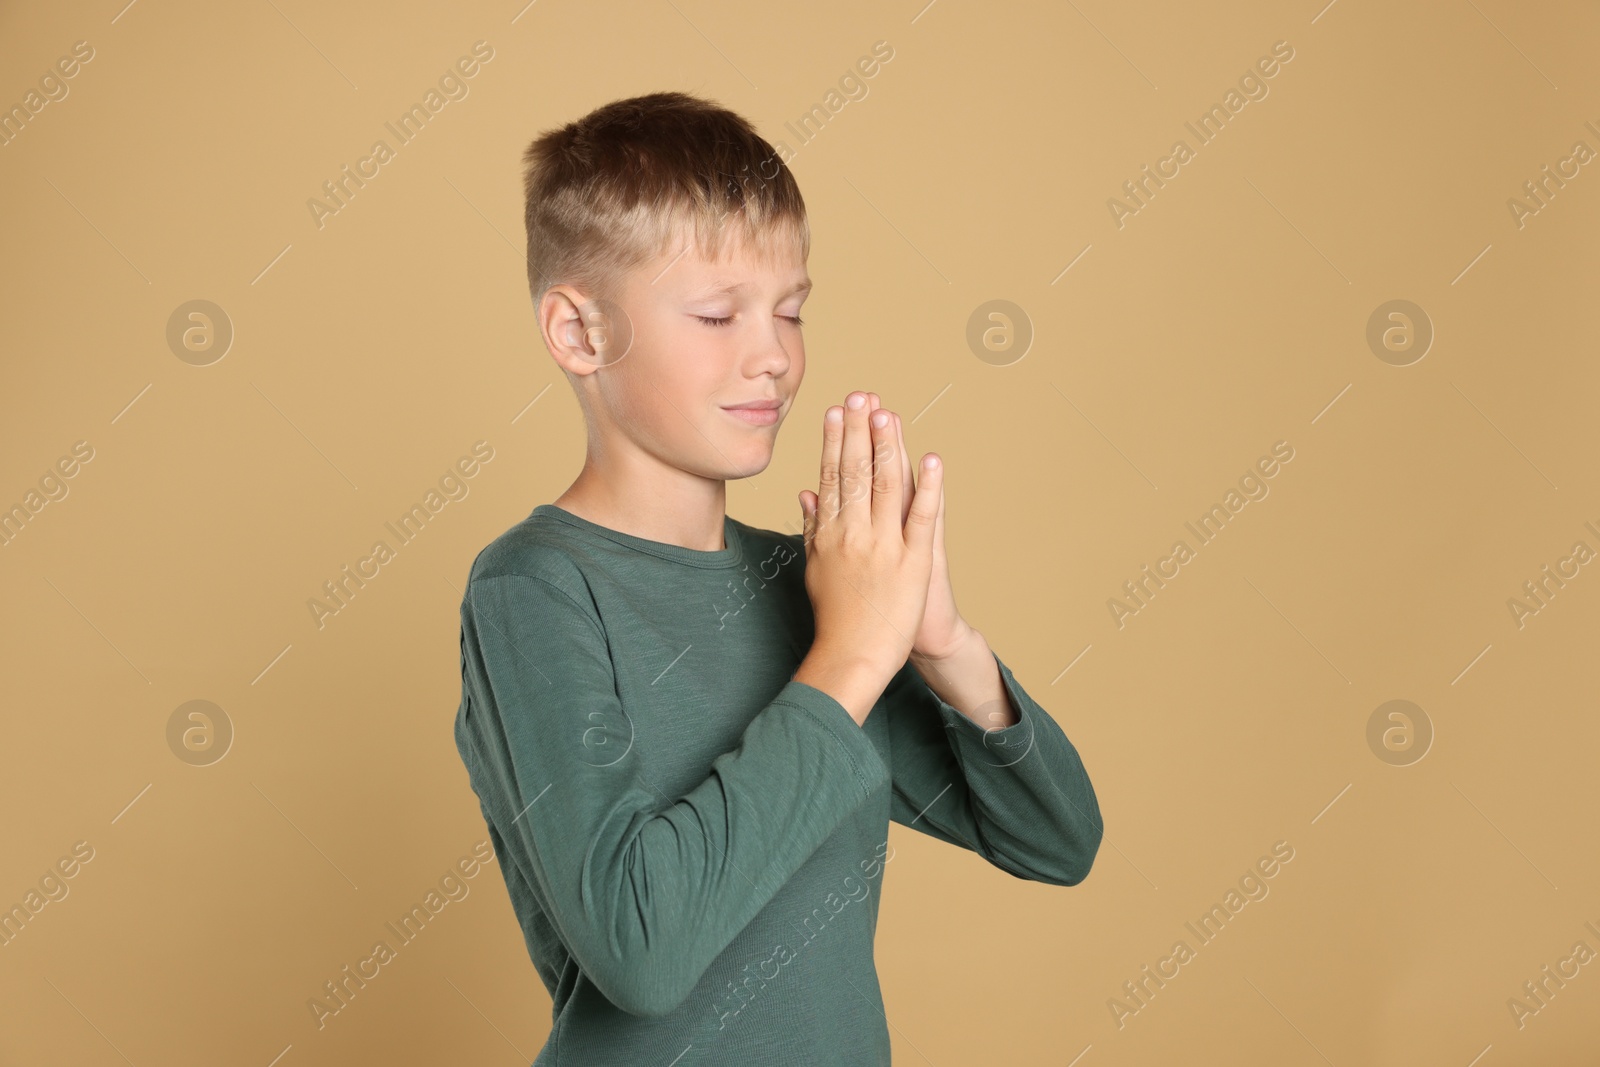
column 694, row 842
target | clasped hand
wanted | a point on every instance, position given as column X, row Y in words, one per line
column 866, row 486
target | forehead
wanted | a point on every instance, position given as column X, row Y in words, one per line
column 739, row 270
column 785, row 283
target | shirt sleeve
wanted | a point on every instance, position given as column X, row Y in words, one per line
column 1018, row 796
column 644, row 889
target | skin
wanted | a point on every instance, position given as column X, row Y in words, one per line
column 943, row 630
column 661, row 449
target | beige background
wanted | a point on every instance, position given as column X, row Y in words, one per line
column 1228, row 314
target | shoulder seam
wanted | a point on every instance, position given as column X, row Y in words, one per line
column 552, row 583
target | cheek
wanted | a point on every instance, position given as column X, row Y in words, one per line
column 666, row 389
column 636, row 390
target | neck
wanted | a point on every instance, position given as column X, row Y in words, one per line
column 688, row 513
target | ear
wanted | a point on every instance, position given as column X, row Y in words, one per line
column 582, row 333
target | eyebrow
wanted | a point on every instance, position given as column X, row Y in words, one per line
column 732, row 288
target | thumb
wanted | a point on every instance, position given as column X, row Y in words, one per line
column 922, row 519
column 808, row 515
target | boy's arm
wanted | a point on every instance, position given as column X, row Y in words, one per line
column 1017, row 795
column 644, row 889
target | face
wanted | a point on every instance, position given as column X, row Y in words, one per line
column 705, row 337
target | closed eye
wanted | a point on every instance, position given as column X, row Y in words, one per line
column 796, row 319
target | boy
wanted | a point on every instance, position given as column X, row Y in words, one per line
column 688, row 735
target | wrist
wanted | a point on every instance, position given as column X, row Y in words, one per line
column 965, row 639
column 853, row 680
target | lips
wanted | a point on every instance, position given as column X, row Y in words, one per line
column 756, row 412
column 755, row 405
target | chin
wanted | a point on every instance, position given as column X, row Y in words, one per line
column 751, row 470
column 748, row 464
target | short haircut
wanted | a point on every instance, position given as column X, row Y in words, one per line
column 608, row 193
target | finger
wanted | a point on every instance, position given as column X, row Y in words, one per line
column 908, row 485
column 828, row 487
column 873, row 404
column 924, row 514
column 855, row 464
column 808, row 504
column 887, row 473
column 806, row 513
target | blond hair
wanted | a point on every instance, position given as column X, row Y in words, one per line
column 608, row 193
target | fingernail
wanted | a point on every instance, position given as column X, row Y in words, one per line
column 880, row 418
column 834, row 415
column 856, row 400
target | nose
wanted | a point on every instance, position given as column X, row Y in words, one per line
column 773, row 354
